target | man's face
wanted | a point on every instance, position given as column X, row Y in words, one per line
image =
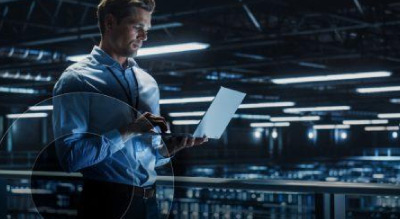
column 127, row 36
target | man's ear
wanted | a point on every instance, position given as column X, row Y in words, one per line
column 109, row 22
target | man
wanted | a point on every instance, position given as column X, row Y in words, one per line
column 96, row 132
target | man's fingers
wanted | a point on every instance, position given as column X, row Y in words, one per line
column 161, row 123
column 199, row 141
column 176, row 144
column 183, row 142
column 145, row 115
column 157, row 121
column 191, row 142
column 146, row 124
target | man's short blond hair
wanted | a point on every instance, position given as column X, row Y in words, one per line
column 121, row 9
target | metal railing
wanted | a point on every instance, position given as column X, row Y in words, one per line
column 330, row 197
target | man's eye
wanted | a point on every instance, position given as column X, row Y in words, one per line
column 140, row 29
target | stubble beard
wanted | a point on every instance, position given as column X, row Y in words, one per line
column 134, row 54
column 130, row 53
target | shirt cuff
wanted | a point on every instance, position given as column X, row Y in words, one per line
column 115, row 140
column 161, row 160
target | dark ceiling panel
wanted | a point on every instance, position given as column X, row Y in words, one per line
column 294, row 38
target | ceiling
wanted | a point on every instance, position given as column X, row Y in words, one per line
column 251, row 42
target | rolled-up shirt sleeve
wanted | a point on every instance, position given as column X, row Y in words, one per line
column 158, row 144
column 76, row 147
column 161, row 160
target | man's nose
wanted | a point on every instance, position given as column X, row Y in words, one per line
column 142, row 35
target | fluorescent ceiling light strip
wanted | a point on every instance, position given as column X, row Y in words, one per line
column 166, row 25
column 187, row 114
column 365, row 122
column 187, row 100
column 250, row 56
column 41, row 108
column 157, row 50
column 313, row 65
column 18, row 90
column 295, row 118
column 316, row 109
column 328, row 126
column 249, row 116
column 389, row 115
column 381, row 128
column 333, row 77
column 269, row 124
column 26, row 115
column 266, row 105
column 395, row 100
column 378, row 89
column 172, row 49
column 236, row 116
column 20, row 76
column 185, row 122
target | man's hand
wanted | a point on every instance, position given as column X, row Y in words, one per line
column 145, row 123
column 175, row 144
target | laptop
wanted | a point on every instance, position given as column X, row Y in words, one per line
column 217, row 117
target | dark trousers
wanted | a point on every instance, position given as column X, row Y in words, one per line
column 113, row 200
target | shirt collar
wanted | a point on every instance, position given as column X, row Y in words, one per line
column 103, row 58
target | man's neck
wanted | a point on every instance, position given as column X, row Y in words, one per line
column 122, row 60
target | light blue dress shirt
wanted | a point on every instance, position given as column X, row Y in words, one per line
column 89, row 107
